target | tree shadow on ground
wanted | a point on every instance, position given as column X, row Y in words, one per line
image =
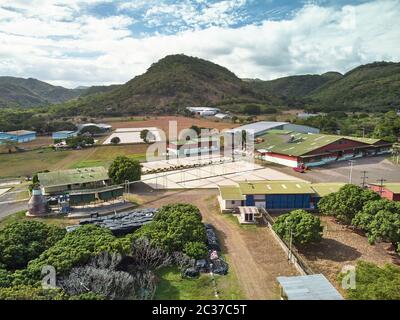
column 330, row 249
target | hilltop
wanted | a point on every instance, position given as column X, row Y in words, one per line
column 20, row 92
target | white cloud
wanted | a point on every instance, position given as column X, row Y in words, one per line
column 79, row 49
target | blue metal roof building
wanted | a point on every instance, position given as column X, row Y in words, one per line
column 61, row 135
column 310, row 287
column 18, row 136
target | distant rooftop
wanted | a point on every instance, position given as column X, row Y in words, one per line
column 20, row 132
column 310, row 287
column 391, row 186
column 259, row 126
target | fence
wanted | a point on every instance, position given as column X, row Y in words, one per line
column 292, row 253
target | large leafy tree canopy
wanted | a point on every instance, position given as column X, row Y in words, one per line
column 376, row 283
column 23, row 241
column 345, row 203
column 305, row 227
column 380, row 220
column 174, row 227
column 123, row 169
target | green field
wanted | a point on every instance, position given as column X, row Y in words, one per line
column 171, row 286
column 29, row 162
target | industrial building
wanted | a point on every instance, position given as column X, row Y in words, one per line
column 58, row 182
column 274, row 195
column 79, row 186
column 62, row 135
column 308, row 287
column 262, row 127
column 101, row 126
column 203, row 111
column 294, row 149
column 193, row 147
column 18, row 136
column 390, row 191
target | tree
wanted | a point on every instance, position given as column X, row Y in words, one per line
column 123, row 169
column 76, row 248
column 375, row 283
column 380, row 220
column 115, row 140
column 304, row 226
column 252, row 109
column 196, row 250
column 79, row 141
column 23, row 241
column 345, row 203
column 10, row 145
column 143, row 135
column 173, row 227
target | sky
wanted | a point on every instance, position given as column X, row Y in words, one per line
column 99, row 42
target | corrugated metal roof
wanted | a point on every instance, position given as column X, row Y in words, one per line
column 310, row 287
column 20, row 132
column 299, row 144
column 323, row 189
column 275, row 187
column 259, row 126
column 231, row 193
column 72, row 176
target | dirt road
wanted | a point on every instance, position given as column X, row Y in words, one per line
column 254, row 255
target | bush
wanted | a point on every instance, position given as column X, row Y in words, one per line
column 380, row 220
column 76, row 248
column 375, row 283
column 123, row 169
column 305, row 227
column 115, row 140
column 23, row 241
column 196, row 250
column 345, row 203
column 174, row 226
column 24, row 292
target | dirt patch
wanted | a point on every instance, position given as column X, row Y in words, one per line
column 254, row 255
column 163, row 123
column 341, row 246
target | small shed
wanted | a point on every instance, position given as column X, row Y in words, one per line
column 309, row 287
column 389, row 191
column 248, row 215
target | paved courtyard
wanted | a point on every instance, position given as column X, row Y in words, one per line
column 209, row 176
column 376, row 168
column 132, row 135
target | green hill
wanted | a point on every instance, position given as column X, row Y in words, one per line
column 371, row 87
column 295, row 86
column 171, row 84
column 20, row 92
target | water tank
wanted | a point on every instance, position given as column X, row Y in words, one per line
column 37, row 205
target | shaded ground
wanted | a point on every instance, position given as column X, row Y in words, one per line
column 341, row 246
column 254, row 255
column 376, row 167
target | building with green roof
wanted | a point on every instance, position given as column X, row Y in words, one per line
column 390, row 190
column 193, row 147
column 294, row 149
column 58, row 182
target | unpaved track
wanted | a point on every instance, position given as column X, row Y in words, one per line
column 254, row 255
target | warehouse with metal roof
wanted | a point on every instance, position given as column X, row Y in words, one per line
column 274, row 195
column 262, row 127
column 294, row 149
column 309, row 287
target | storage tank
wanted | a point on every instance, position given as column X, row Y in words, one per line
column 37, row 204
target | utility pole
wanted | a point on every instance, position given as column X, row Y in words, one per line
column 351, row 171
column 381, row 181
column 364, row 179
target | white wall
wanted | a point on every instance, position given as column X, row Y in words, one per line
column 284, row 162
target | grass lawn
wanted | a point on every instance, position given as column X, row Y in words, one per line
column 103, row 156
column 171, row 286
column 61, row 222
column 29, row 162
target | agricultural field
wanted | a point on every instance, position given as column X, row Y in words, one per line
column 29, row 162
